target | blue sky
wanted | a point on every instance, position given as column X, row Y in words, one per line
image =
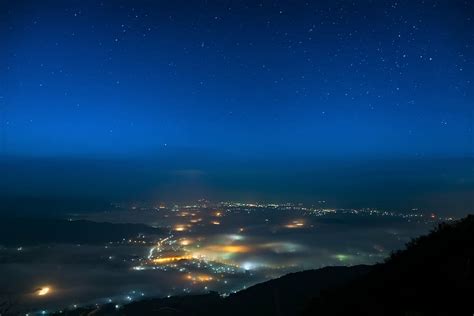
column 236, row 82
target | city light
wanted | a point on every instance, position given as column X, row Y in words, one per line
column 165, row 260
column 43, row 291
column 185, row 242
column 226, row 249
column 199, row 278
column 179, row 228
column 295, row 224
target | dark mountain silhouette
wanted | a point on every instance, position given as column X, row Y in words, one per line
column 288, row 294
column 432, row 276
column 27, row 231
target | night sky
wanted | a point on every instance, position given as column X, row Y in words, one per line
column 243, row 99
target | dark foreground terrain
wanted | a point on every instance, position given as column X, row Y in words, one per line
column 432, row 276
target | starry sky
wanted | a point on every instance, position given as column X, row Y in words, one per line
column 235, row 85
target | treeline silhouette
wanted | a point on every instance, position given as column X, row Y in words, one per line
column 19, row 231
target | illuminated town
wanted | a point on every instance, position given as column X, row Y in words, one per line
column 226, row 247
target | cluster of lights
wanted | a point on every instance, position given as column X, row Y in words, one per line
column 199, row 278
column 42, row 291
column 166, row 260
column 295, row 224
column 185, row 241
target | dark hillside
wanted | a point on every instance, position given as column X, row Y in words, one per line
column 432, row 276
column 29, row 232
